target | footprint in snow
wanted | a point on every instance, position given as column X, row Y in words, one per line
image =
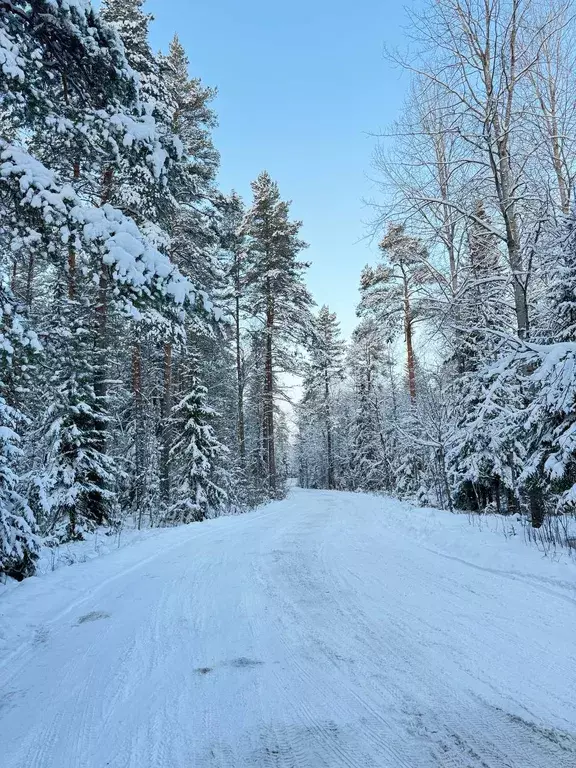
column 93, row 616
column 244, row 662
column 241, row 663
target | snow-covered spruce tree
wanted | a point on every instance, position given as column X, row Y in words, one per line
column 365, row 462
column 325, row 368
column 559, row 261
column 284, row 447
column 522, row 421
column 18, row 536
column 309, row 447
column 366, row 466
column 424, row 436
column 486, row 452
column 74, row 485
column 484, row 457
column 483, row 300
column 278, row 299
column 196, row 455
column 311, row 442
column 546, row 371
column 216, row 371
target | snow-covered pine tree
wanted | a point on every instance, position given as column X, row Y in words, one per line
column 71, row 85
column 150, row 200
column 233, row 249
column 194, row 228
column 179, row 212
column 392, row 292
column 132, row 24
column 196, row 245
column 277, row 296
column 193, row 118
column 18, row 535
column 59, row 221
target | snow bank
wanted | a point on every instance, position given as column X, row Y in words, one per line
column 494, row 543
column 47, row 593
column 102, row 541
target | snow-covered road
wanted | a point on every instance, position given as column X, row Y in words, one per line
column 325, row 630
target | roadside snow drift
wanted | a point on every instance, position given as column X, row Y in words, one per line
column 330, row 629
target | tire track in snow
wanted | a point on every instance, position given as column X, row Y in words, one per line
column 323, row 676
column 461, row 743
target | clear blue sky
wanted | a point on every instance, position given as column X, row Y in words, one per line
column 300, row 85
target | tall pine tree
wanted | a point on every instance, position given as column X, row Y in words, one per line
column 277, row 296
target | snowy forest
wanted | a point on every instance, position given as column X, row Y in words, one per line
column 458, row 387
column 153, row 324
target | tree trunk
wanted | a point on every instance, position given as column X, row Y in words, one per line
column 520, row 287
column 503, row 182
column 264, row 434
column 329, row 457
column 96, row 501
column 166, row 430
column 138, row 483
column 442, row 463
column 240, row 380
column 29, row 282
column 71, row 272
column 270, row 452
column 411, row 360
column 14, row 276
column 448, row 228
column 497, row 497
column 501, row 165
column 536, row 504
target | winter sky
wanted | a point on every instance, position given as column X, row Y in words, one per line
column 301, row 85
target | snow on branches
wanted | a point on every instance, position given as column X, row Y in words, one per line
column 139, row 270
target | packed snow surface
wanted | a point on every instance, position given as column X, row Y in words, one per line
column 330, row 629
